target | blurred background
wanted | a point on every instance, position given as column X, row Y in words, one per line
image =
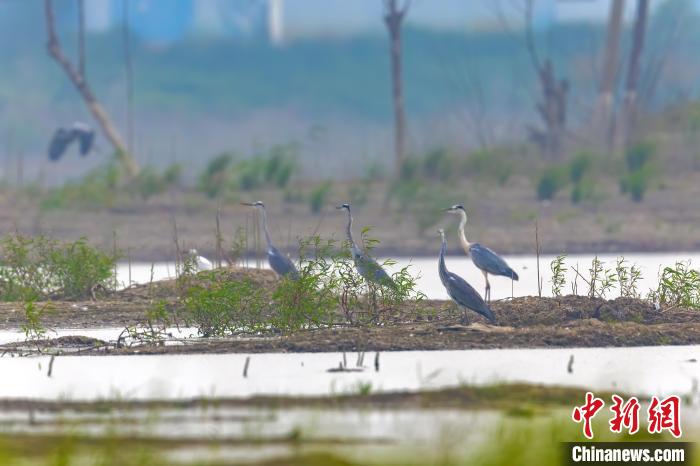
column 580, row 114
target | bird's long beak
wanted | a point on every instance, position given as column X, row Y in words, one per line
column 249, row 204
column 446, row 210
column 339, row 207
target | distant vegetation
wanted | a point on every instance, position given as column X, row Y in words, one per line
column 35, row 268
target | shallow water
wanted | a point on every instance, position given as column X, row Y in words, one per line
column 526, row 266
column 642, row 370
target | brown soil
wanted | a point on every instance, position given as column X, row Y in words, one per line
column 570, row 321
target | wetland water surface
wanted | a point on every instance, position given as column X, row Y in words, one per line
column 675, row 370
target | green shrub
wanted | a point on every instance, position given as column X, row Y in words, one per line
column 580, row 165
column 220, row 307
column 319, row 195
column 550, row 182
column 215, row 178
column 636, row 183
column 439, row 164
column 97, row 189
column 280, row 164
column 36, row 268
column 583, row 190
column 311, row 300
column 409, row 169
column 639, row 155
column 490, row 164
column 678, row 286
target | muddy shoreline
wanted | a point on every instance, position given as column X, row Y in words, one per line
column 527, row 322
column 498, row 396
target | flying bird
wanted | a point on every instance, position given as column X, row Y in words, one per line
column 201, row 263
column 64, row 137
column 280, row 263
column 367, row 267
column 484, row 258
column 459, row 290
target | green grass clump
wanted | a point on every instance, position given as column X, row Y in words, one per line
column 33, row 268
column 273, row 168
column 640, row 172
column 221, row 307
column 550, row 182
column 679, row 285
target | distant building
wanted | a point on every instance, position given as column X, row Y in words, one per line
column 160, row 22
column 167, row 21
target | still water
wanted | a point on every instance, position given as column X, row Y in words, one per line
column 425, row 269
column 640, row 370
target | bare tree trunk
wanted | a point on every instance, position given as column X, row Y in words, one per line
column 553, row 107
column 78, row 79
column 603, row 121
column 629, row 111
column 393, row 17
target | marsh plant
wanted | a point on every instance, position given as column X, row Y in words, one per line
column 679, row 285
column 33, row 268
column 628, row 277
column 220, row 307
column 327, row 292
column 558, row 274
column 367, row 302
column 600, row 280
column 33, row 326
column 311, row 299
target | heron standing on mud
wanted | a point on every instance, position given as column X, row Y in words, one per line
column 280, row 263
column 459, row 290
column 367, row 267
column 485, row 259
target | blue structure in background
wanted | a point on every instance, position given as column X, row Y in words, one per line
column 157, row 22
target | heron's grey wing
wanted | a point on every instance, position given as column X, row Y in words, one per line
column 87, row 137
column 59, row 142
column 281, row 264
column 465, row 295
column 485, row 259
column 371, row 270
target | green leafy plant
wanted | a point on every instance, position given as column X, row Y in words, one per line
column 558, row 274
column 33, row 327
column 679, row 285
column 550, row 182
column 639, row 161
column 319, row 195
column 35, row 267
column 627, row 278
column 310, row 300
column 218, row 306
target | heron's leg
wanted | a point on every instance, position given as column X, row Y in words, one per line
column 465, row 316
column 487, row 291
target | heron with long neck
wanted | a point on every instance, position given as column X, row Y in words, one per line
column 484, row 258
column 461, row 292
column 279, row 262
column 366, row 266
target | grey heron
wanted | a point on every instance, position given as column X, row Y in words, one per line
column 201, row 263
column 484, row 258
column 459, row 290
column 64, row 137
column 280, row 263
column 367, row 267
